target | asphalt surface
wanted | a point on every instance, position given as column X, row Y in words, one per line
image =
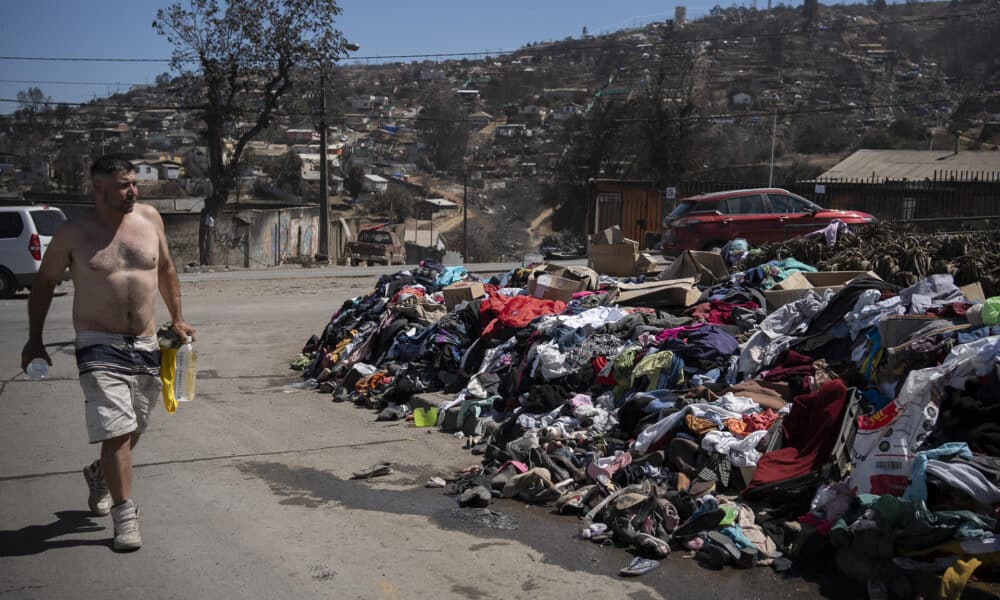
column 334, row 271
column 246, row 491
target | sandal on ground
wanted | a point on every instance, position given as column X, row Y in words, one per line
column 639, row 566
column 376, row 470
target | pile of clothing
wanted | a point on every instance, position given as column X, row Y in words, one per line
column 858, row 427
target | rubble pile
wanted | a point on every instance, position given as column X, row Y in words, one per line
column 855, row 425
column 898, row 253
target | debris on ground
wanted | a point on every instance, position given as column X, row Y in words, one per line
column 829, row 406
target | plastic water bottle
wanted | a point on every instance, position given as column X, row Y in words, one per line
column 187, row 362
column 37, row 369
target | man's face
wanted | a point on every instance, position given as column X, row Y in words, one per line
column 118, row 192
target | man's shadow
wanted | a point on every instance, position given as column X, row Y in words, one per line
column 35, row 539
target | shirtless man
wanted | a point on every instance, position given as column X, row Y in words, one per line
column 118, row 258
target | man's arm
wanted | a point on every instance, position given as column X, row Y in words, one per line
column 54, row 264
column 170, row 286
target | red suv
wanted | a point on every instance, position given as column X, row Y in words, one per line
column 759, row 215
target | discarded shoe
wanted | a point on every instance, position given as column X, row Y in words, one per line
column 376, row 470
column 639, row 566
column 540, row 458
column 699, row 488
column 578, row 474
column 723, row 541
column 600, row 476
column 705, row 521
column 435, row 482
column 475, row 497
column 713, row 556
column 506, row 471
column 651, row 545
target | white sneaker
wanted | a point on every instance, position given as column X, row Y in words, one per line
column 99, row 499
column 126, row 518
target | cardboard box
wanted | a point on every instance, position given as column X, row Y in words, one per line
column 708, row 267
column 647, row 263
column 586, row 277
column 798, row 285
column 461, row 291
column 553, row 287
column 617, row 260
column 608, row 237
column 659, row 294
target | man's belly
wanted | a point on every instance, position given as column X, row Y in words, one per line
column 123, row 302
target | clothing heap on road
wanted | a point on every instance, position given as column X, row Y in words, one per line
column 856, row 427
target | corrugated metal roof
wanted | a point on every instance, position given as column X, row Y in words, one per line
column 911, row 165
column 440, row 202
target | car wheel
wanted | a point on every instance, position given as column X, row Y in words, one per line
column 8, row 285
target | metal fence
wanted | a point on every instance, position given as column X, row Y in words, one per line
column 948, row 201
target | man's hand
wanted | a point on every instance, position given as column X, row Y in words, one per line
column 183, row 329
column 32, row 350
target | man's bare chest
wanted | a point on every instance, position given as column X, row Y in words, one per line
column 126, row 251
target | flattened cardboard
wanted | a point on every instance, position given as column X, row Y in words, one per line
column 974, row 292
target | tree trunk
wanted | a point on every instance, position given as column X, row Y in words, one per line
column 214, row 203
column 205, row 242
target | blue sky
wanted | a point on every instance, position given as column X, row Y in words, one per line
column 122, row 28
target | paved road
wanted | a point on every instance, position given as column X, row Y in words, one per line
column 338, row 272
column 245, row 492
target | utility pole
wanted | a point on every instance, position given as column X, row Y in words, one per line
column 324, row 167
column 465, row 215
column 324, row 176
column 774, row 130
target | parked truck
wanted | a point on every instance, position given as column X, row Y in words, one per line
column 376, row 246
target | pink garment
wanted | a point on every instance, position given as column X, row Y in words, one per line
column 667, row 334
column 580, row 400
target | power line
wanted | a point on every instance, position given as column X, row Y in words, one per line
column 43, row 82
column 111, row 106
column 549, row 45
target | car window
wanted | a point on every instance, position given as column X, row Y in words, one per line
column 781, row 203
column 375, row 237
column 47, row 221
column 705, row 207
column 742, row 205
column 11, row 225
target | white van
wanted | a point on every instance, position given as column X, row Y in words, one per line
column 25, row 232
